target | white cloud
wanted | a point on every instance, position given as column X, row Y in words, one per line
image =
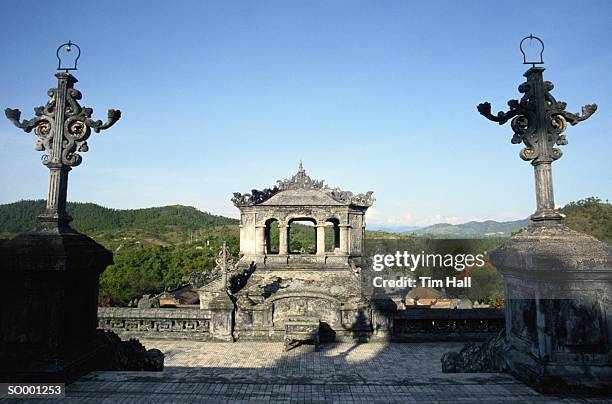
column 376, row 217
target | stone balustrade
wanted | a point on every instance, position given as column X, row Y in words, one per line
column 408, row 325
column 156, row 323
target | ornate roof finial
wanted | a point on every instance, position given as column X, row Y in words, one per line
column 300, row 181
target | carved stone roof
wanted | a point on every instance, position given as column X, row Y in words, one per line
column 305, row 185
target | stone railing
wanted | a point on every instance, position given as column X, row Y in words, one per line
column 447, row 324
column 179, row 323
column 196, row 324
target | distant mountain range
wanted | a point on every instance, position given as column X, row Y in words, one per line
column 488, row 228
column 392, row 229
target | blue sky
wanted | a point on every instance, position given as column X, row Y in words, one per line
column 220, row 97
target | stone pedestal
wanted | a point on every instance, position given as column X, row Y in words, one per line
column 48, row 314
column 558, row 287
column 221, row 310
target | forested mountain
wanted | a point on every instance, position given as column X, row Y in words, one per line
column 93, row 219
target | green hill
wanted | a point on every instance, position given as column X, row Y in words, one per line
column 591, row 216
column 161, row 225
column 88, row 217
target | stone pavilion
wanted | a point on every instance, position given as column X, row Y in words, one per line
column 322, row 283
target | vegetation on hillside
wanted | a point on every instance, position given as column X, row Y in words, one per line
column 89, row 218
column 591, row 216
column 137, row 271
column 157, row 248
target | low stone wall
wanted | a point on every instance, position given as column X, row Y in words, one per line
column 447, row 324
column 197, row 324
column 187, row 323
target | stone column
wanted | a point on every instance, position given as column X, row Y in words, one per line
column 260, row 239
column 544, row 192
column 320, row 239
column 242, row 237
column 283, row 239
column 344, row 238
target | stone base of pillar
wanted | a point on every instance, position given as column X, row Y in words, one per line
column 581, row 376
column 49, row 306
column 558, row 287
column 105, row 352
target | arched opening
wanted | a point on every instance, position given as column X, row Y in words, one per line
column 302, row 236
column 271, row 234
column 332, row 234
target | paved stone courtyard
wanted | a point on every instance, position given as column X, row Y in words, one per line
column 338, row 372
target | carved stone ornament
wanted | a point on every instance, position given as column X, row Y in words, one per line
column 301, row 181
column 538, row 121
column 62, row 128
column 77, row 123
column 530, row 116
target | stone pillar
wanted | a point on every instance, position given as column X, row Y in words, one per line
column 260, row 239
column 48, row 316
column 320, row 239
column 558, row 289
column 344, row 238
column 242, row 238
column 558, row 282
column 283, row 239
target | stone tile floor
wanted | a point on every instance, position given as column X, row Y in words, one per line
column 336, row 373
